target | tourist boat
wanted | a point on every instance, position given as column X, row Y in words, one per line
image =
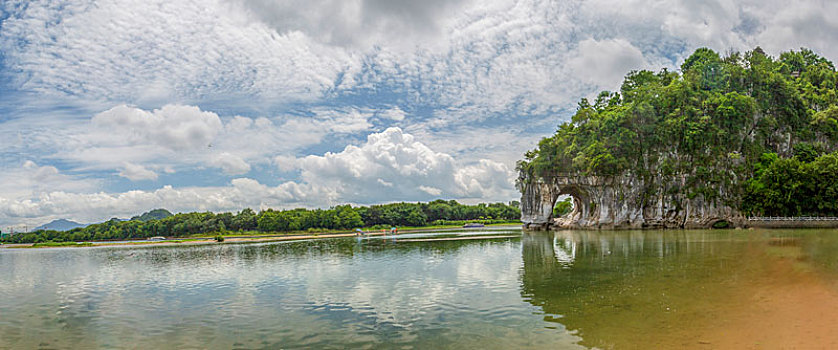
column 473, row 224
column 157, row 238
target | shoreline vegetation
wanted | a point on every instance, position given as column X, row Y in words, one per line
column 254, row 237
column 337, row 220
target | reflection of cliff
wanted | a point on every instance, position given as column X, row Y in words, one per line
column 621, row 289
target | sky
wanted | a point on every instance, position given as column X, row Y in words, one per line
column 111, row 108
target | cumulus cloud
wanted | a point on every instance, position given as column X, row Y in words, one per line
column 175, row 127
column 136, row 172
column 99, row 206
column 231, row 164
column 782, row 25
column 132, row 140
column 604, row 63
column 368, row 173
column 389, row 166
column 21, row 183
column 170, row 136
column 394, row 113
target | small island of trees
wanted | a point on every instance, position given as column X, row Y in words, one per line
column 752, row 132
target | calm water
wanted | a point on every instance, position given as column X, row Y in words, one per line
column 562, row 290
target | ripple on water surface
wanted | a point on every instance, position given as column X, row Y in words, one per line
column 337, row 293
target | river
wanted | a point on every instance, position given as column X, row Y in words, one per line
column 494, row 290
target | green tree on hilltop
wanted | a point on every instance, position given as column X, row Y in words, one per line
column 712, row 126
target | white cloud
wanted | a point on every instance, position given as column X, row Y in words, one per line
column 171, row 136
column 285, row 162
column 390, row 166
column 787, row 25
column 480, row 80
column 362, row 23
column 177, row 136
column 366, row 173
column 30, row 179
column 485, row 179
column 504, row 143
column 433, row 191
column 394, row 113
column 174, row 50
column 99, row 206
column 136, row 172
column 515, row 57
column 604, row 63
column 174, row 127
column 231, row 164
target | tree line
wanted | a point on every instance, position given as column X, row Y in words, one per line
column 340, row 217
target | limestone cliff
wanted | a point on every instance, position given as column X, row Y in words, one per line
column 617, row 202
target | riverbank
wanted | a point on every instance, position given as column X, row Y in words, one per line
column 793, row 222
column 768, row 223
column 258, row 238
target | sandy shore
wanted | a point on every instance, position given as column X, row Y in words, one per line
column 793, row 308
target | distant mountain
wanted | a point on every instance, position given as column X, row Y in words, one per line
column 155, row 214
column 60, row 225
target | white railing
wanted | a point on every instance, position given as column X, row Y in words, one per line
column 792, row 218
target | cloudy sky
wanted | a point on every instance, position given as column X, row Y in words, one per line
column 109, row 108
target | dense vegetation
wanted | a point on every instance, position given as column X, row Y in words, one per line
column 562, row 207
column 338, row 218
column 794, row 186
column 752, row 131
column 155, row 214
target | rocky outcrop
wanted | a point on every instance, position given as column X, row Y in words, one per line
column 619, row 202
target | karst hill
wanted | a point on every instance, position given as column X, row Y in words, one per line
column 724, row 138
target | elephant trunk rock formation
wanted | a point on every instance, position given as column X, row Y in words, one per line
column 618, row 202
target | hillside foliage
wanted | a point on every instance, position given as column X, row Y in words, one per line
column 155, row 214
column 756, row 132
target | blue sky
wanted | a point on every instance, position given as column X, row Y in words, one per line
column 111, row 108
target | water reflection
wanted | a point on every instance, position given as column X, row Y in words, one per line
column 565, row 290
column 337, row 293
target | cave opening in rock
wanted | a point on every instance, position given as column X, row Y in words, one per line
column 721, row 224
column 567, row 209
column 563, row 207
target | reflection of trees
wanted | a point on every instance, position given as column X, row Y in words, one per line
column 612, row 287
column 253, row 254
column 818, row 246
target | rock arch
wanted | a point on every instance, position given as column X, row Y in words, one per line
column 617, row 202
